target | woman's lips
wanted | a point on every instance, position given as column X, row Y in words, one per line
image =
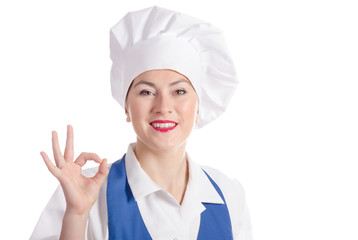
column 163, row 125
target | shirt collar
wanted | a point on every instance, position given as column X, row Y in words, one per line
column 199, row 186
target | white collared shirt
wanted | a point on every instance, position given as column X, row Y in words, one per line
column 164, row 218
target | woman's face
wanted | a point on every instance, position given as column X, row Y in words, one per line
column 163, row 108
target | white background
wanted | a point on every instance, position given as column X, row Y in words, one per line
column 290, row 134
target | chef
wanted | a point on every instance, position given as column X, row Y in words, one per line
column 171, row 73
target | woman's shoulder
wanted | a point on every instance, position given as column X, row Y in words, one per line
column 223, row 180
column 234, row 195
column 231, row 188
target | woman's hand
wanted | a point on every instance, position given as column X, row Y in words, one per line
column 80, row 192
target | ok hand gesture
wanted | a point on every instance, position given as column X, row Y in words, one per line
column 80, row 192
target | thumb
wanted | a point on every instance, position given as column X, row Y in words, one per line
column 102, row 172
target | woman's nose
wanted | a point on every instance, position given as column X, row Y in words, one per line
column 163, row 104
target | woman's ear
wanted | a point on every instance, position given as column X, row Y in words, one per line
column 128, row 119
column 197, row 116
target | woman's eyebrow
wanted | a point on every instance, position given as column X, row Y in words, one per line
column 153, row 85
column 179, row 81
column 144, row 82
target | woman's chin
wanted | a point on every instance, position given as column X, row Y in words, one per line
column 161, row 145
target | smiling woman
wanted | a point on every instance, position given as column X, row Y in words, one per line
column 170, row 73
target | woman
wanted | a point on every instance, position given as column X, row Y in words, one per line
column 170, row 72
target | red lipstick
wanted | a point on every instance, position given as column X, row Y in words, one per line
column 163, row 125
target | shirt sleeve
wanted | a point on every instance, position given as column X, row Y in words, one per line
column 243, row 229
column 49, row 225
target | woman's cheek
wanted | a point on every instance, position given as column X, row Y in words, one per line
column 189, row 108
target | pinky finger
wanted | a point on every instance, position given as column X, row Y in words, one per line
column 51, row 167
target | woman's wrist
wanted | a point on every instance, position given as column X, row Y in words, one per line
column 74, row 225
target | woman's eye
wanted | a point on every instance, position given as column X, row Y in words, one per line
column 146, row 93
column 180, row 92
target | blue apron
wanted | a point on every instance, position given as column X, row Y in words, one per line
column 125, row 221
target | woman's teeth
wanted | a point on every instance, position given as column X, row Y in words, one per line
column 163, row 125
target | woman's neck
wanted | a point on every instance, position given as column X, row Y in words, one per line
column 168, row 169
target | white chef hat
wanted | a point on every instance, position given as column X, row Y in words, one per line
column 158, row 38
